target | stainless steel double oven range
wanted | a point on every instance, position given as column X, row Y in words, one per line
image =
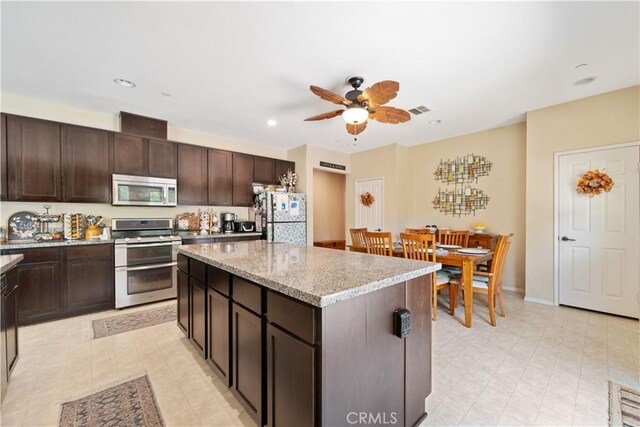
column 145, row 260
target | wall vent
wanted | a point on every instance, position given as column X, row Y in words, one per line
column 419, row 110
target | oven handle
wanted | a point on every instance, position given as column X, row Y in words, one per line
column 149, row 245
column 147, row 267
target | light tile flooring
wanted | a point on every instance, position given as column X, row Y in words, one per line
column 540, row 366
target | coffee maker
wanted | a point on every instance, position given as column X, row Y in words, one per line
column 227, row 221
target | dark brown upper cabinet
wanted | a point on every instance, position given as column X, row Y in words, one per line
column 220, row 177
column 131, row 155
column 282, row 167
column 192, row 175
column 34, row 157
column 87, row 169
column 264, row 170
column 242, row 179
column 4, row 193
column 163, row 158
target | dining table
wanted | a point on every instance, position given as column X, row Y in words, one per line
column 467, row 264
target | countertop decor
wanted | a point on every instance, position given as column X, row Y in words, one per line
column 313, row 275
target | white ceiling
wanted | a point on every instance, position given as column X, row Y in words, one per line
column 231, row 66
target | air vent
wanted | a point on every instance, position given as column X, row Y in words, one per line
column 419, row 110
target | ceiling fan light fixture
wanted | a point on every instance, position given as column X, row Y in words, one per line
column 355, row 115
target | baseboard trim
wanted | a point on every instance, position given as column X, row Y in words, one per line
column 512, row 289
column 539, row 301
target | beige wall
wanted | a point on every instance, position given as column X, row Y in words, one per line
column 308, row 158
column 610, row 118
column 110, row 121
column 328, row 202
column 505, row 148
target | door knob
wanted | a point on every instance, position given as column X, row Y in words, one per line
column 566, row 239
column 378, row 229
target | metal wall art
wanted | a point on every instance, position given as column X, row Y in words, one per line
column 463, row 170
column 462, row 199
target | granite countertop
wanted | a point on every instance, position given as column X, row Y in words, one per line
column 28, row 244
column 317, row 276
column 189, row 235
column 7, row 262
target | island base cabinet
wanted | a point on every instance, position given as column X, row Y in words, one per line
column 247, row 360
column 218, row 315
column 290, row 380
column 183, row 303
column 197, row 315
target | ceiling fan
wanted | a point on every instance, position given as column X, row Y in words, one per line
column 362, row 105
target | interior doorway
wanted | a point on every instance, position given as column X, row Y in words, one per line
column 598, row 239
column 328, row 208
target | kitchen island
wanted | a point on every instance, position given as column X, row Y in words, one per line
column 310, row 336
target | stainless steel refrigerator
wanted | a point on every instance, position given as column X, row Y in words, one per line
column 286, row 217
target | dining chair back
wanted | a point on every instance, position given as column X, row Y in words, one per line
column 357, row 238
column 490, row 282
column 451, row 237
column 379, row 243
column 417, row 230
column 417, row 246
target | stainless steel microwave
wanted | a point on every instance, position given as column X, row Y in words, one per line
column 130, row 190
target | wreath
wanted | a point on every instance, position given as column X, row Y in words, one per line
column 594, row 182
column 367, row 199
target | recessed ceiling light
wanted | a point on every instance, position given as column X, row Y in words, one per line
column 584, row 81
column 124, row 83
column 165, row 94
column 271, row 122
column 435, row 122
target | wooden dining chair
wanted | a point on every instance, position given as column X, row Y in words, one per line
column 357, row 239
column 379, row 243
column 490, row 283
column 417, row 246
column 451, row 237
column 416, row 230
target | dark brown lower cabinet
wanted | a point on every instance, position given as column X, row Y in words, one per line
column 183, row 303
column 218, row 315
column 290, row 380
column 247, row 360
column 198, row 315
column 89, row 279
column 10, row 321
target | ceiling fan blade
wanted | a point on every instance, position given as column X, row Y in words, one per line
column 329, row 96
column 356, row 129
column 391, row 115
column 380, row 93
column 328, row 115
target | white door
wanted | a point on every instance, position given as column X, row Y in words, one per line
column 599, row 237
column 370, row 216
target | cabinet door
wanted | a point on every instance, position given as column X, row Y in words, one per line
column 264, row 170
column 282, row 167
column 247, row 360
column 218, row 314
column 130, row 155
column 4, row 194
column 242, row 179
column 163, row 159
column 39, row 292
column 89, row 279
column 290, row 380
column 220, row 178
column 87, row 169
column 192, row 175
column 183, row 303
column 10, row 314
column 198, row 315
column 34, row 154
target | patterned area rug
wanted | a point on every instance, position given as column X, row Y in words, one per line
column 128, row 404
column 129, row 322
column 624, row 406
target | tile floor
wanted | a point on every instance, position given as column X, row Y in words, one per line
column 541, row 366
